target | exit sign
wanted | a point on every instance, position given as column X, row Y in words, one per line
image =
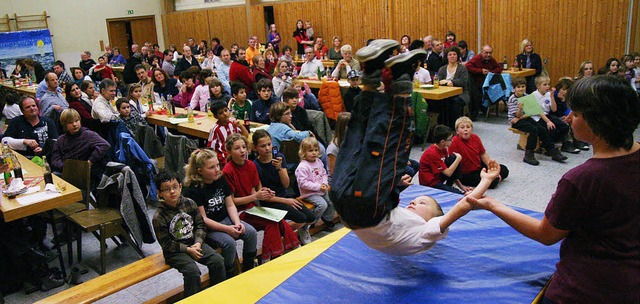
column 129, row 12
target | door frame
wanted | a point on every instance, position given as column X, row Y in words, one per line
column 109, row 20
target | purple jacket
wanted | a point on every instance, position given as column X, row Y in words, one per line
column 84, row 145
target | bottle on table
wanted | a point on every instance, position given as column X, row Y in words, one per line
column 17, row 168
column 172, row 107
column 319, row 74
column 247, row 121
column 190, row 117
column 6, row 160
column 505, row 64
column 436, row 81
column 150, row 102
column 48, row 177
column 118, row 94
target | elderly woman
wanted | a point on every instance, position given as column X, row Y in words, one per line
column 102, row 109
column 595, row 210
column 454, row 74
column 529, row 60
column 117, row 57
column 346, row 64
column 79, row 143
column 163, row 84
column 282, row 78
column 259, row 68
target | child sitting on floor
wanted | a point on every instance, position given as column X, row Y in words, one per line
column 180, row 231
column 222, row 129
column 131, row 120
column 438, row 168
column 527, row 123
column 205, row 185
column 313, row 183
column 558, row 129
column 242, row 177
column 474, row 155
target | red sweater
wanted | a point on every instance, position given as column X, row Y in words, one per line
column 477, row 63
column 241, row 73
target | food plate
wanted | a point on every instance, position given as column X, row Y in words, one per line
column 14, row 193
column 426, row 86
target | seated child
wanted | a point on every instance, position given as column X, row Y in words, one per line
column 299, row 118
column 474, row 155
column 354, row 89
column 180, row 231
column 526, row 123
column 562, row 111
column 313, row 183
column 338, row 136
column 135, row 102
column 438, row 168
column 222, row 129
column 239, row 104
column 364, row 187
column 242, row 177
column 131, row 120
column 212, row 194
column 260, row 107
column 308, row 101
column 558, row 129
column 217, row 93
column 272, row 169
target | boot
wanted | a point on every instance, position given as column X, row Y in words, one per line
column 568, row 147
column 74, row 277
column 191, row 286
column 557, row 156
column 248, row 261
column 530, row 158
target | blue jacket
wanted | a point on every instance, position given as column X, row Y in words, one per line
column 496, row 89
column 280, row 132
column 131, row 154
column 260, row 111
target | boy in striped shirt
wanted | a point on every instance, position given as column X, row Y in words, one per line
column 223, row 128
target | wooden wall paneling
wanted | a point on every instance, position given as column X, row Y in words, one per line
column 634, row 44
column 177, row 32
column 259, row 27
column 419, row 18
column 563, row 32
column 197, row 24
column 229, row 25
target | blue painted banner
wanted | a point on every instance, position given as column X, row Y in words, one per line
column 35, row 44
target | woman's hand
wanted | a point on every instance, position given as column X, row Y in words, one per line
column 294, row 203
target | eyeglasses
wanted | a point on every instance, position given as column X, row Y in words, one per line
column 174, row 188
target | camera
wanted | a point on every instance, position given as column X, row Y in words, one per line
column 275, row 151
column 288, row 74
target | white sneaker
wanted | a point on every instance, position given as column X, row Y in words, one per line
column 304, row 236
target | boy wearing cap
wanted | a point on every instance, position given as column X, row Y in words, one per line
column 354, row 89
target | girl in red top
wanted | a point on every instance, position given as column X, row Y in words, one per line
column 242, row 176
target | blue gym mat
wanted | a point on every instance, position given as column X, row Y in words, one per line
column 481, row 261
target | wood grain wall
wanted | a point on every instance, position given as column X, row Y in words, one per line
column 564, row 32
column 352, row 20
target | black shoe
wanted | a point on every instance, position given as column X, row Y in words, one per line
column 530, row 158
column 569, row 148
column 42, row 255
column 557, row 156
column 50, row 282
column 581, row 145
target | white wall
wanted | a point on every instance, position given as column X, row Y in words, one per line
column 79, row 25
column 182, row 5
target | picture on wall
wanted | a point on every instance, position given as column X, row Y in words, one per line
column 35, row 44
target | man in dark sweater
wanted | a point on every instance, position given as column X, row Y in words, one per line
column 187, row 61
column 479, row 66
column 30, row 132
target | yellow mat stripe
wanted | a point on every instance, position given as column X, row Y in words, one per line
column 251, row 286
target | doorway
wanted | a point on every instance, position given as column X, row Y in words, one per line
column 123, row 32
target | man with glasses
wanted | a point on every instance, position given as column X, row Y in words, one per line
column 478, row 67
column 312, row 65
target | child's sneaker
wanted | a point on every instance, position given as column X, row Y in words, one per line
column 304, row 236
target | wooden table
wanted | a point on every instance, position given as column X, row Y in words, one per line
column 521, row 73
column 440, row 93
column 29, row 90
column 326, row 63
column 199, row 128
column 12, row 210
column 314, row 83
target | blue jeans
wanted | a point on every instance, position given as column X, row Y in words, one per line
column 227, row 243
column 323, row 207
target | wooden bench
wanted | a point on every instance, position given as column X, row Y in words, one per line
column 111, row 282
column 522, row 143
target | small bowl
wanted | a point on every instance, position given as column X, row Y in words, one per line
column 426, row 86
